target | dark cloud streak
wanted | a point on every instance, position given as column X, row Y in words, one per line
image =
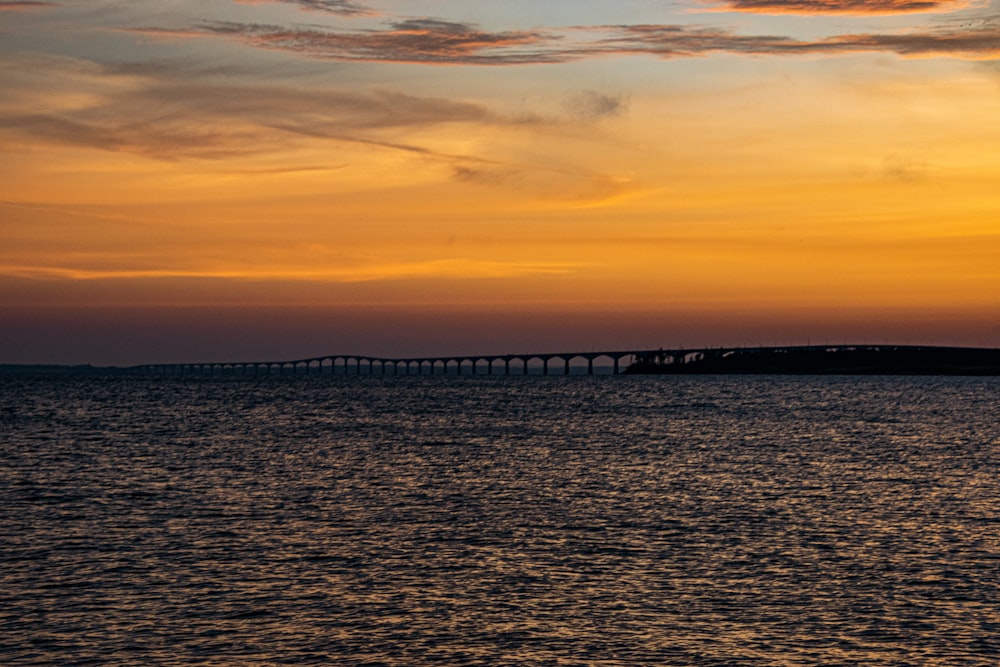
column 429, row 41
column 338, row 7
column 981, row 41
column 856, row 7
column 433, row 41
column 25, row 6
column 167, row 118
column 591, row 105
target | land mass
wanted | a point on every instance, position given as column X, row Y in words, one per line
column 59, row 369
column 822, row 360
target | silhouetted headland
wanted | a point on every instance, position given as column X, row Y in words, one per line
column 822, row 360
column 57, row 369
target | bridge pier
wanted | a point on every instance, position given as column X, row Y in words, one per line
column 363, row 365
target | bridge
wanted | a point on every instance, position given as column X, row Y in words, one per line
column 496, row 364
column 554, row 363
column 794, row 358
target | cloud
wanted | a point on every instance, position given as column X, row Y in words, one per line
column 439, row 42
column 166, row 114
column 338, row 7
column 25, row 6
column 679, row 41
column 972, row 41
column 903, row 168
column 165, row 139
column 432, row 41
column 450, row 268
column 173, row 113
column 591, row 105
column 856, row 7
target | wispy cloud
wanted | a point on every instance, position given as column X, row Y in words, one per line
column 856, row 7
column 176, row 114
column 592, row 105
column 979, row 41
column 974, row 43
column 160, row 114
column 25, row 6
column 450, row 268
column 338, row 7
column 431, row 41
column 680, row 41
column 434, row 41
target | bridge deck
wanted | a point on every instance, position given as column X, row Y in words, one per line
column 499, row 364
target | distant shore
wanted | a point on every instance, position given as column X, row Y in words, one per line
column 791, row 360
column 819, row 360
column 58, row 369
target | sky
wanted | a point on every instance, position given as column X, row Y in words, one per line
column 241, row 180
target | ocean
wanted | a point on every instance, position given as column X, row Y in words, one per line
column 585, row 521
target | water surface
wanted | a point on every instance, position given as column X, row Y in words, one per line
column 499, row 521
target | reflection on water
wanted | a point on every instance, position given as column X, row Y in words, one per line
column 482, row 521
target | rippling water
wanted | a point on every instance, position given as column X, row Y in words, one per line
column 500, row 521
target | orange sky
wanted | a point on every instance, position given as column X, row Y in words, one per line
column 283, row 179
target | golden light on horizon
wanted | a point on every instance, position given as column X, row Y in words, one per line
column 749, row 177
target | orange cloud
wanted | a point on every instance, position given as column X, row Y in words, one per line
column 25, row 6
column 439, row 42
column 855, row 7
column 423, row 40
column 672, row 41
column 152, row 115
column 459, row 268
column 981, row 43
column 339, row 7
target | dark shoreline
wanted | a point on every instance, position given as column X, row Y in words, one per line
column 58, row 369
column 818, row 360
column 791, row 360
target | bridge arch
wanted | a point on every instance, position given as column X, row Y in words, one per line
column 556, row 363
column 588, row 359
column 541, row 366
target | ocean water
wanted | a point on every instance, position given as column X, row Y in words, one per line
column 589, row 521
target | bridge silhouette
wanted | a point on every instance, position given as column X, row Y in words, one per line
column 552, row 363
column 352, row 364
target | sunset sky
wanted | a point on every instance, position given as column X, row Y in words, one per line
column 272, row 179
